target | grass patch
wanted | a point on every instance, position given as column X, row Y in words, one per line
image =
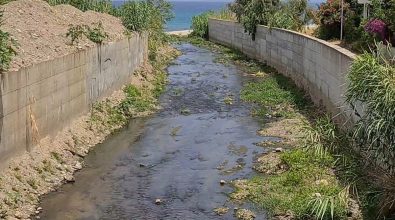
column 137, row 100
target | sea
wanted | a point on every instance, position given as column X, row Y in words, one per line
column 184, row 10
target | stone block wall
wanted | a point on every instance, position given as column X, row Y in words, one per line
column 42, row 99
column 317, row 66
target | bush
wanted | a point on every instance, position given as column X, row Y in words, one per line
column 147, row 16
column 254, row 12
column 95, row 34
column 384, row 10
column 329, row 14
column 200, row 24
column 372, row 83
column 6, row 48
column 291, row 15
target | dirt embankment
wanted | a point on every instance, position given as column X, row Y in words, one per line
column 40, row 29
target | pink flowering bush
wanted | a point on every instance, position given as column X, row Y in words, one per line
column 378, row 28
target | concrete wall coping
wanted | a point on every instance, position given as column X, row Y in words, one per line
column 326, row 43
column 132, row 34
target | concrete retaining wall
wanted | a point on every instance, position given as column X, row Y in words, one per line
column 315, row 65
column 42, row 99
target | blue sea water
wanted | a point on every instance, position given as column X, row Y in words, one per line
column 185, row 10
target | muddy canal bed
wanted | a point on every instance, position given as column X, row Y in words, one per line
column 203, row 134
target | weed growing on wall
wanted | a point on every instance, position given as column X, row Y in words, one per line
column 96, row 33
column 7, row 45
column 75, row 33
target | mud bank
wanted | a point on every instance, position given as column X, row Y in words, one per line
column 54, row 161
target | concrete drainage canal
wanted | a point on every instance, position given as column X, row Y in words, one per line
column 171, row 165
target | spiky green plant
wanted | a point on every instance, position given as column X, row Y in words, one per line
column 323, row 207
column 372, row 85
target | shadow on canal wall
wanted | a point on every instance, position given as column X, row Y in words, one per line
column 42, row 99
column 317, row 66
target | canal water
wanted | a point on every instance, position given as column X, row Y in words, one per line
column 203, row 134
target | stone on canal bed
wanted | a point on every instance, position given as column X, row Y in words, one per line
column 158, row 201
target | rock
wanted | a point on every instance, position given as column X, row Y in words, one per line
column 37, row 212
column 221, row 210
column 279, row 149
column 69, row 178
column 18, row 215
column 37, row 217
column 141, row 165
column 39, row 209
column 78, row 165
column 222, row 182
column 158, row 201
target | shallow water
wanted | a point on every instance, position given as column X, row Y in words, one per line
column 178, row 155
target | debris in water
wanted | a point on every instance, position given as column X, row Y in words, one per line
column 185, row 111
column 142, row 165
column 158, row 201
column 245, row 214
column 221, row 210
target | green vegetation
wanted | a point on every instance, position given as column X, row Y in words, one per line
column 372, row 83
column 290, row 15
column 7, row 51
column 251, row 13
column 307, row 189
column 95, row 34
column 147, row 16
column 137, row 100
column 321, row 176
column 275, row 93
column 104, row 6
column 200, row 22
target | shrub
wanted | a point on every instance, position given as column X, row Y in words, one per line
column 7, row 45
column 147, row 16
column 257, row 12
column 75, row 33
column 200, row 24
column 372, row 83
column 95, row 34
column 329, row 14
column 291, row 15
column 384, row 10
column 377, row 28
